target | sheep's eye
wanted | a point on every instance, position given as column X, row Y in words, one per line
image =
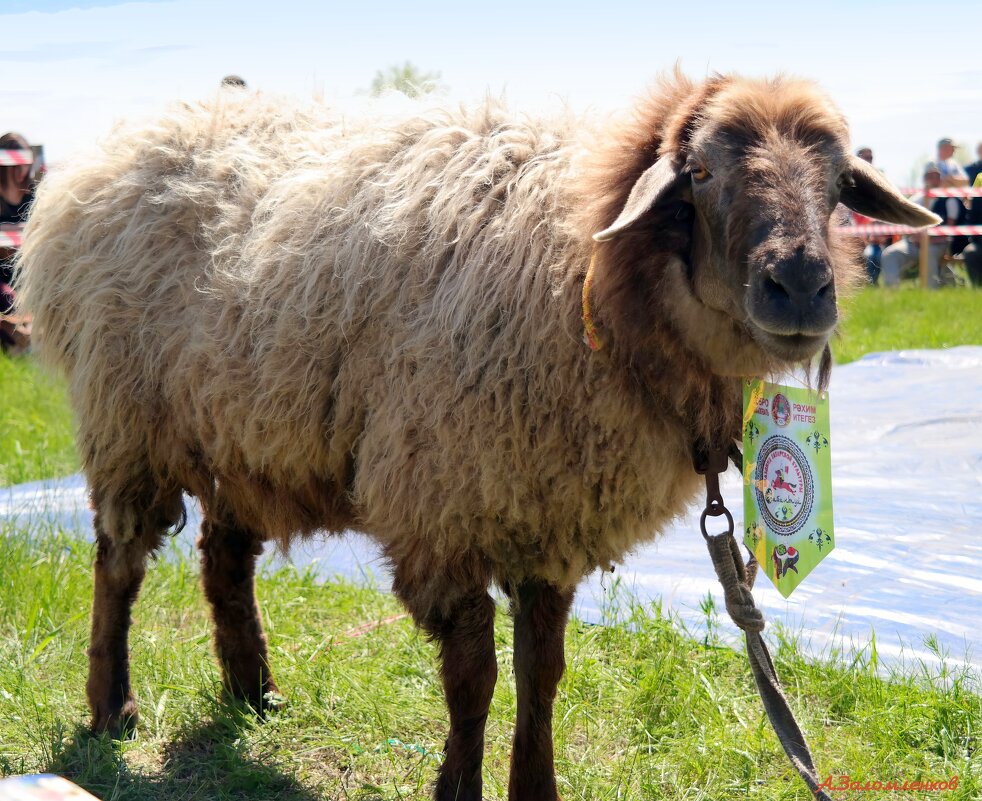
column 700, row 173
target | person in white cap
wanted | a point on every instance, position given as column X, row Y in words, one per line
column 952, row 173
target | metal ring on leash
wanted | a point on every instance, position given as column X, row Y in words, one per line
column 716, row 510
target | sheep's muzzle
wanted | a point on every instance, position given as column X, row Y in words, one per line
column 792, row 303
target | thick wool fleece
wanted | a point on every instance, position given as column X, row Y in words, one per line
column 317, row 322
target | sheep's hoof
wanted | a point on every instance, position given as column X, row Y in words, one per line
column 119, row 725
column 271, row 701
column 268, row 700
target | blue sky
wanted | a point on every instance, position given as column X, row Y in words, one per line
column 897, row 69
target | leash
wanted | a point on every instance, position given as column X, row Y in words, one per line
column 737, row 579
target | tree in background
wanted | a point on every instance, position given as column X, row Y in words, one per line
column 406, row 78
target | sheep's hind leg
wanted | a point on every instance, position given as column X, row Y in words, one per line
column 125, row 535
column 540, row 612
column 469, row 671
column 228, row 561
column 463, row 625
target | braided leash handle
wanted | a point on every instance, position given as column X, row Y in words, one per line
column 737, row 580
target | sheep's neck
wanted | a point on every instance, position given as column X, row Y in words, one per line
column 704, row 405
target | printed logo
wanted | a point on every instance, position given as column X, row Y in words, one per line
column 784, row 485
column 785, row 558
column 781, row 410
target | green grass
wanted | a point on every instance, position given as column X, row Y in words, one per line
column 881, row 319
column 644, row 711
column 36, row 427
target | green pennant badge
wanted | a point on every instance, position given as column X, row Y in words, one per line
column 787, row 480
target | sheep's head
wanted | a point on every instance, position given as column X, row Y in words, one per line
column 736, row 208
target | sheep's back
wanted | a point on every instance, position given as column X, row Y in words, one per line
column 306, row 303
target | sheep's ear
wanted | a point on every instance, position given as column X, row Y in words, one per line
column 874, row 196
column 655, row 184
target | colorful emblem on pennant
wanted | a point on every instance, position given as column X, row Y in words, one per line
column 788, row 487
column 780, row 410
column 785, row 559
column 787, row 480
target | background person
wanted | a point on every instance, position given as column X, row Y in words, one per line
column 972, row 170
column 907, row 252
column 16, row 195
column 973, row 252
column 952, row 173
column 16, row 184
column 873, row 250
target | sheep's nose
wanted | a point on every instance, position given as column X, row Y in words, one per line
column 804, row 281
column 794, row 295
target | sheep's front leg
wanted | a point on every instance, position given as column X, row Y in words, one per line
column 228, row 565
column 123, row 540
column 540, row 612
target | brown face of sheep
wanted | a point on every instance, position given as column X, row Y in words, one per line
column 760, row 245
column 761, row 213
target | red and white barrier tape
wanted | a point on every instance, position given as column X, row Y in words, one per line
column 951, row 191
column 883, row 228
column 12, row 158
column 11, row 237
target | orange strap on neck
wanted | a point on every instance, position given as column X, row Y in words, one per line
column 590, row 335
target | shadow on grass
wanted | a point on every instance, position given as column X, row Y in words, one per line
column 207, row 761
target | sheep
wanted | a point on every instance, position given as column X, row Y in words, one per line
column 314, row 322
